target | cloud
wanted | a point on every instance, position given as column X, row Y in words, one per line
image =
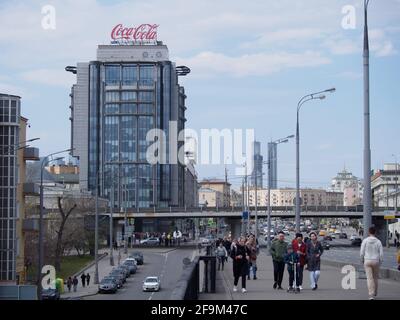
column 50, row 77
column 380, row 44
column 209, row 63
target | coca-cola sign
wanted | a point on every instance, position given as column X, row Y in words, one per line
column 145, row 33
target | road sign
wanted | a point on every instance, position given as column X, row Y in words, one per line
column 389, row 215
column 245, row 215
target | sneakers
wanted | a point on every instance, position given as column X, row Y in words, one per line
column 371, row 298
column 289, row 289
column 280, row 288
column 244, row 290
column 234, row 289
column 300, row 287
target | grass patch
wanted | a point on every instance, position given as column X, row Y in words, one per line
column 72, row 264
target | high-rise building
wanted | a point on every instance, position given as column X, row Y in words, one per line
column 351, row 186
column 127, row 91
column 257, row 174
column 273, row 157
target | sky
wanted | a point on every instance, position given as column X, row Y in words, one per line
column 250, row 61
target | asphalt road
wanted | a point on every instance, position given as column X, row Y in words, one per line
column 167, row 264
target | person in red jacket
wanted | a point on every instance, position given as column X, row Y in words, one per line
column 301, row 249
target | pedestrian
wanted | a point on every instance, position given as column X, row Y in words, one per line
column 314, row 252
column 69, row 284
column 252, row 246
column 83, row 278
column 221, row 254
column 398, row 259
column 227, row 244
column 292, row 260
column 88, row 279
column 371, row 254
column 278, row 251
column 75, row 283
column 300, row 247
column 240, row 264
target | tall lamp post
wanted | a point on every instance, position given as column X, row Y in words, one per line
column 276, row 142
column 396, row 172
column 317, row 95
column 40, row 249
column 367, row 197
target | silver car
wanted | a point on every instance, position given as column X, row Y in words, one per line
column 152, row 284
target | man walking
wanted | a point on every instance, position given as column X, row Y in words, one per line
column 371, row 254
column 83, row 278
column 88, row 279
column 278, row 251
column 75, row 283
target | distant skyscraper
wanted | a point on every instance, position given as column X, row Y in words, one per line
column 273, row 156
column 258, row 166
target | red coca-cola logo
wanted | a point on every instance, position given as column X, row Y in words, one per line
column 144, row 32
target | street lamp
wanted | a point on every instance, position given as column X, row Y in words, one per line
column 40, row 264
column 367, row 197
column 317, row 95
column 276, row 142
column 396, row 183
column 18, row 145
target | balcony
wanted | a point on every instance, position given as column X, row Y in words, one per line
column 30, row 225
column 31, row 189
column 31, row 154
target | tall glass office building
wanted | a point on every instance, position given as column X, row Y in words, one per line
column 117, row 99
column 9, row 134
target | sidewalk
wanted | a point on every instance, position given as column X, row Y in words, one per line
column 329, row 285
column 104, row 269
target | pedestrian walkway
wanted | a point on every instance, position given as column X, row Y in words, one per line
column 329, row 285
column 104, row 269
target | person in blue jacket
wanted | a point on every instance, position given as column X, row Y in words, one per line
column 292, row 260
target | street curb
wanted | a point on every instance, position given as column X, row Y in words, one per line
column 89, row 265
column 384, row 273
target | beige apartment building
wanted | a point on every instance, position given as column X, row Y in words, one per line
column 221, row 186
column 286, row 197
column 210, row 198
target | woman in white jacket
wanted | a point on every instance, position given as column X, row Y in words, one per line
column 371, row 254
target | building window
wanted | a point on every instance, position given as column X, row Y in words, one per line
column 129, row 75
column 145, row 108
column 146, row 96
column 146, row 75
column 111, row 108
column 128, row 96
column 112, row 96
column 112, row 75
column 128, row 108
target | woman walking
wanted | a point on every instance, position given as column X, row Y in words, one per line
column 314, row 252
column 252, row 246
column 241, row 263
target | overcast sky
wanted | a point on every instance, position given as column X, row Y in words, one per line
column 251, row 62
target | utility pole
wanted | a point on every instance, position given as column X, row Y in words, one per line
column 125, row 221
column 255, row 207
column 111, row 222
column 367, row 219
column 269, row 197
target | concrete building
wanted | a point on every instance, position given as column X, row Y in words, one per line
column 127, row 91
column 221, row 186
column 257, row 174
column 351, row 186
column 191, row 185
column 385, row 185
column 14, row 153
column 210, row 198
column 236, row 198
column 286, row 197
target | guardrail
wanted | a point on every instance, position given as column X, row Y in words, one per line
column 188, row 286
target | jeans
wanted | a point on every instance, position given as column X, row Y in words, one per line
column 314, row 276
column 279, row 269
column 254, row 269
column 299, row 274
column 372, row 272
column 221, row 261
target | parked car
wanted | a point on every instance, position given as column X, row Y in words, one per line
column 333, row 236
column 343, row 236
column 50, row 294
column 328, row 238
column 152, row 284
column 356, row 242
column 353, row 236
column 130, row 263
column 108, row 285
column 150, row 241
column 118, row 278
column 138, row 256
column 338, row 231
column 118, row 273
column 124, row 269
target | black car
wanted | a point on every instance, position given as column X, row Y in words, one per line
column 138, row 256
column 125, row 269
column 118, row 273
column 325, row 245
column 342, row 235
column 118, row 278
column 50, row 294
column 356, row 242
column 328, row 238
column 131, row 265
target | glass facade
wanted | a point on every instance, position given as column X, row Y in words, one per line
column 9, row 137
column 126, row 101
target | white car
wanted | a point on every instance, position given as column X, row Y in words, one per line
column 338, row 231
column 353, row 236
column 152, row 284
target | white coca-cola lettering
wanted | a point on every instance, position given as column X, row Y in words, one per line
column 142, row 32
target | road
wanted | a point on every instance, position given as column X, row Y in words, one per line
column 165, row 263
